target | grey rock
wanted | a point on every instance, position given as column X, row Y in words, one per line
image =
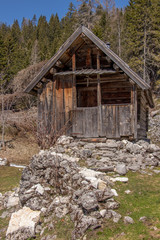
column 116, row 216
column 108, row 215
column 22, row 224
column 64, row 140
column 153, row 148
column 89, row 201
column 156, row 171
column 104, row 195
column 133, row 148
column 5, row 214
column 134, row 167
column 154, row 113
column 103, row 212
column 128, row 220
column 143, row 219
column 112, row 205
column 121, row 169
column 90, row 146
column 61, row 211
column 81, row 226
column 111, row 143
column 4, row 162
column 86, row 153
column 127, row 191
column 38, row 229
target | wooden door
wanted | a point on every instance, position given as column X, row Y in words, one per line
column 116, row 121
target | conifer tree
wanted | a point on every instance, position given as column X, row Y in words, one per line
column 141, row 38
column 43, row 37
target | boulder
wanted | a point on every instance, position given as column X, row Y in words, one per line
column 22, row 224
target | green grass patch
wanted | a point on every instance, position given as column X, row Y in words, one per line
column 144, row 200
column 64, row 228
column 9, row 178
column 3, row 226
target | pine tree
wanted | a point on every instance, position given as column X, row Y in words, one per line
column 86, row 12
column 43, row 37
column 142, row 37
column 54, row 34
column 69, row 23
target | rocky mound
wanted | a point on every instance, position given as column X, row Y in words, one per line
column 54, row 184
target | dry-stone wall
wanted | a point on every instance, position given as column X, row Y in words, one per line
column 55, row 185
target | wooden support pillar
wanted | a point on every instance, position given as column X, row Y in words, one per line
column 89, row 58
column 74, row 94
column 134, row 111
column 55, row 106
column 98, row 60
column 63, row 101
column 99, row 96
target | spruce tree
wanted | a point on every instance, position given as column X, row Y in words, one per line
column 142, row 37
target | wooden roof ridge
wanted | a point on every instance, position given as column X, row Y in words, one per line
column 102, row 46
column 53, row 60
column 116, row 59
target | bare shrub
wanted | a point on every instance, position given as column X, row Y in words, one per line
column 48, row 135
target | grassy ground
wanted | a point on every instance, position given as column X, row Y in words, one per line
column 144, row 200
column 9, row 179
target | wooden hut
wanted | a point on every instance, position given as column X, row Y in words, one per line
column 86, row 89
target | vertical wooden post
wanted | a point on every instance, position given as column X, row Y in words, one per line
column 89, row 58
column 63, row 101
column 99, row 95
column 55, row 106
column 74, row 95
column 134, row 111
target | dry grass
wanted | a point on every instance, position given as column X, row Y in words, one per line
column 23, row 149
column 21, row 132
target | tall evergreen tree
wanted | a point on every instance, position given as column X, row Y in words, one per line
column 69, row 23
column 142, row 37
column 43, row 37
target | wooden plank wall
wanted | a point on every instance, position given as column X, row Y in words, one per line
column 85, row 122
column 116, row 121
column 54, row 105
column 142, row 122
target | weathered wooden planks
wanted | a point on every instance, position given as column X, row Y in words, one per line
column 85, row 122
